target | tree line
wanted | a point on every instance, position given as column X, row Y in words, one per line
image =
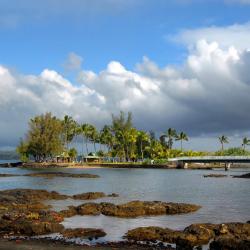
column 49, row 136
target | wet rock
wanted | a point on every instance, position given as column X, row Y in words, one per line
column 61, row 174
column 30, row 223
column 229, row 243
column 8, row 175
column 83, row 233
column 242, row 176
column 215, row 175
column 90, row 196
column 71, row 211
column 27, row 195
column 136, row 208
column 236, row 234
column 89, row 209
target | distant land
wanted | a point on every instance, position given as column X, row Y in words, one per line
column 9, row 155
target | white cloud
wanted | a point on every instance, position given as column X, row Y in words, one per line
column 209, row 93
column 237, row 35
column 73, row 62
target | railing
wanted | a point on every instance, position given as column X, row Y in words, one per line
column 211, row 158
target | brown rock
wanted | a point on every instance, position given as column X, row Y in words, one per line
column 83, row 233
column 61, row 174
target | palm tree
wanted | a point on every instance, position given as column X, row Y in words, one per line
column 181, row 137
column 142, row 138
column 93, row 135
column 245, row 142
column 223, row 139
column 69, row 129
column 85, row 130
column 171, row 135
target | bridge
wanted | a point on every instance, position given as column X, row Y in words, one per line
column 182, row 162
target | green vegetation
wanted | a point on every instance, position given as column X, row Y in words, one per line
column 49, row 137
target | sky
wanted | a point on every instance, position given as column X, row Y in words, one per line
column 182, row 64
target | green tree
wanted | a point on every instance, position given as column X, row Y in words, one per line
column 121, row 126
column 245, row 142
column 223, row 139
column 85, row 131
column 143, row 140
column 93, row 135
column 181, row 137
column 22, row 150
column 44, row 137
column 72, row 154
column 171, row 135
column 69, row 130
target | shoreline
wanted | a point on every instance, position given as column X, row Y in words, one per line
column 51, row 165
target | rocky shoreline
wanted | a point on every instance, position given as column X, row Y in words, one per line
column 24, row 215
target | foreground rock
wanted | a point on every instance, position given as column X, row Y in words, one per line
column 215, row 175
column 242, row 176
column 30, row 223
column 61, row 174
column 235, row 235
column 135, row 208
column 84, row 233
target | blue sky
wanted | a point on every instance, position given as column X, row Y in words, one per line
column 182, row 64
column 39, row 34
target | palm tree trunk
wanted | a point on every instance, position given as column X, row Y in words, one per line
column 141, row 152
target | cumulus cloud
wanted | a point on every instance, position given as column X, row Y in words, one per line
column 209, row 93
column 237, row 35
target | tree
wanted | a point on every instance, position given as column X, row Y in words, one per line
column 93, row 135
column 72, row 153
column 121, row 126
column 223, row 139
column 106, row 137
column 85, row 131
column 171, row 135
column 44, row 137
column 245, row 142
column 22, row 150
column 143, row 140
column 181, row 137
column 69, row 130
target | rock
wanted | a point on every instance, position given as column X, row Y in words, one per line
column 215, row 175
column 242, row 176
column 8, row 175
column 89, row 196
column 89, row 209
column 83, row 233
column 229, row 243
column 196, row 234
column 29, row 195
column 136, row 208
column 61, row 174
column 31, row 223
column 71, row 211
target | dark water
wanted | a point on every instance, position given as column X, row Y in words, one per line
column 222, row 199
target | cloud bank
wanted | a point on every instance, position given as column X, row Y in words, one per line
column 208, row 94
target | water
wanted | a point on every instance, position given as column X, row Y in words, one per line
column 222, row 199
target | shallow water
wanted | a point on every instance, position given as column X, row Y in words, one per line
column 222, row 199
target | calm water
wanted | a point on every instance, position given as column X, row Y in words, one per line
column 222, row 199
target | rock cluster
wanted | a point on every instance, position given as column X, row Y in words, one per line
column 242, row 176
column 235, row 235
column 215, row 175
column 61, row 174
column 135, row 208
